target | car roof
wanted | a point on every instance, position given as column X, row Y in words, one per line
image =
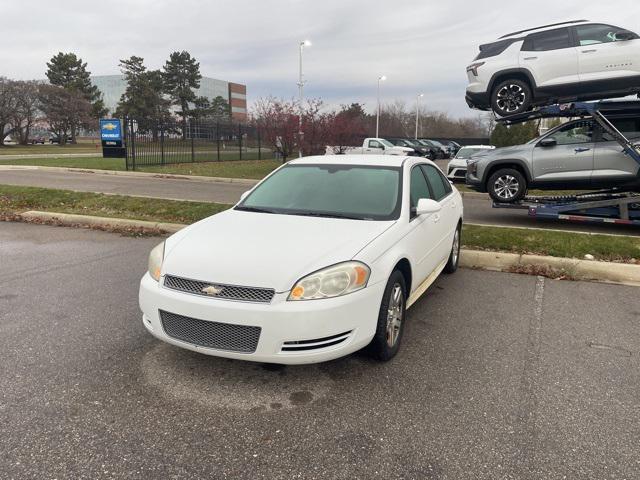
column 543, row 28
column 478, row 146
column 365, row 160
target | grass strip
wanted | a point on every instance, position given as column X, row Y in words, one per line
column 249, row 169
column 15, row 200
column 608, row 248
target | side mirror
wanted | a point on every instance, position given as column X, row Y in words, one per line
column 244, row 195
column 427, row 206
column 624, row 35
column 548, row 142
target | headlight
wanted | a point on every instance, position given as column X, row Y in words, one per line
column 155, row 261
column 334, row 281
column 472, row 166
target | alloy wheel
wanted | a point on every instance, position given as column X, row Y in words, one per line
column 395, row 314
column 511, row 98
column 456, row 248
column 506, row 186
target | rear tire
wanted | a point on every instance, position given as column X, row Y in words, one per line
column 511, row 97
column 507, row 185
column 391, row 319
column 454, row 256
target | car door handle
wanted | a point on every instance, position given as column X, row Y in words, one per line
column 530, row 58
column 589, row 51
column 580, row 150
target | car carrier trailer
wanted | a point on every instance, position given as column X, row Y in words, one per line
column 616, row 206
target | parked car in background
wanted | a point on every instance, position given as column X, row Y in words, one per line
column 439, row 152
column 575, row 155
column 457, row 167
column 423, row 150
column 563, row 62
column 454, row 146
column 372, row 146
column 347, row 245
column 446, row 149
column 38, row 139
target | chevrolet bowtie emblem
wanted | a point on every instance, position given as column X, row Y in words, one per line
column 109, row 126
column 212, row 290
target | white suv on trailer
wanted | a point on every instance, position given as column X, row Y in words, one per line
column 563, row 62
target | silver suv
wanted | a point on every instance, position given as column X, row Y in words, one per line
column 575, row 155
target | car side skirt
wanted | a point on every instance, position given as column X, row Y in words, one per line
column 417, row 293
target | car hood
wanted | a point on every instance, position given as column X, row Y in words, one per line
column 265, row 250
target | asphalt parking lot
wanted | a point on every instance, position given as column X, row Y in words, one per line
column 501, row 376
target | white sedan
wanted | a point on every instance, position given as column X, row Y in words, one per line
column 457, row 167
column 320, row 259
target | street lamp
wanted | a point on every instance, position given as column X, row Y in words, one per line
column 381, row 78
column 420, row 95
column 304, row 43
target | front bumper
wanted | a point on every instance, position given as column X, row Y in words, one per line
column 280, row 321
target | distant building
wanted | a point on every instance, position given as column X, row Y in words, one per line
column 113, row 86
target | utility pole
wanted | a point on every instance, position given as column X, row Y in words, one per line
column 305, row 43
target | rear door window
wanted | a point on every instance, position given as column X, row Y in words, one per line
column 439, row 185
column 629, row 127
column 556, row 39
column 419, row 187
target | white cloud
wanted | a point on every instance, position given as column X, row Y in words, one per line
column 422, row 46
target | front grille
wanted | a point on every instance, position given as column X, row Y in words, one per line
column 221, row 336
column 227, row 292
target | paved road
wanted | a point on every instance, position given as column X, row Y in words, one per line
column 477, row 210
column 485, row 387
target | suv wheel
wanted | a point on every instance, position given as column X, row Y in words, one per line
column 507, row 186
column 511, row 97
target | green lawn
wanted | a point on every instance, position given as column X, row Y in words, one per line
column 83, row 146
column 74, row 162
column 250, row 169
column 552, row 243
column 543, row 242
column 20, row 199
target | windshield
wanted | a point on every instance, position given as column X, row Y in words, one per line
column 426, row 143
column 413, row 143
column 386, row 143
column 467, row 152
column 339, row 191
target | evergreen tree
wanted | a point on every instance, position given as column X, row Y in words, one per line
column 181, row 75
column 143, row 98
column 69, row 72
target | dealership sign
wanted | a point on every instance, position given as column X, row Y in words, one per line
column 110, row 130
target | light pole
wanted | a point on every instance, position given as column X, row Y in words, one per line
column 305, row 43
column 381, row 78
column 418, row 97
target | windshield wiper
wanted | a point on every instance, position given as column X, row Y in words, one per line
column 244, row 208
column 328, row 215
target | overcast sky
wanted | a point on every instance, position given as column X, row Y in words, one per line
column 421, row 46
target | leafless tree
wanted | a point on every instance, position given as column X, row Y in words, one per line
column 8, row 105
column 27, row 110
column 65, row 111
column 277, row 121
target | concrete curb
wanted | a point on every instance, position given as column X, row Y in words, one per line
column 199, row 178
column 620, row 273
column 69, row 219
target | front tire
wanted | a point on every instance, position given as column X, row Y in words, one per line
column 507, row 185
column 390, row 327
column 454, row 256
column 511, row 97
